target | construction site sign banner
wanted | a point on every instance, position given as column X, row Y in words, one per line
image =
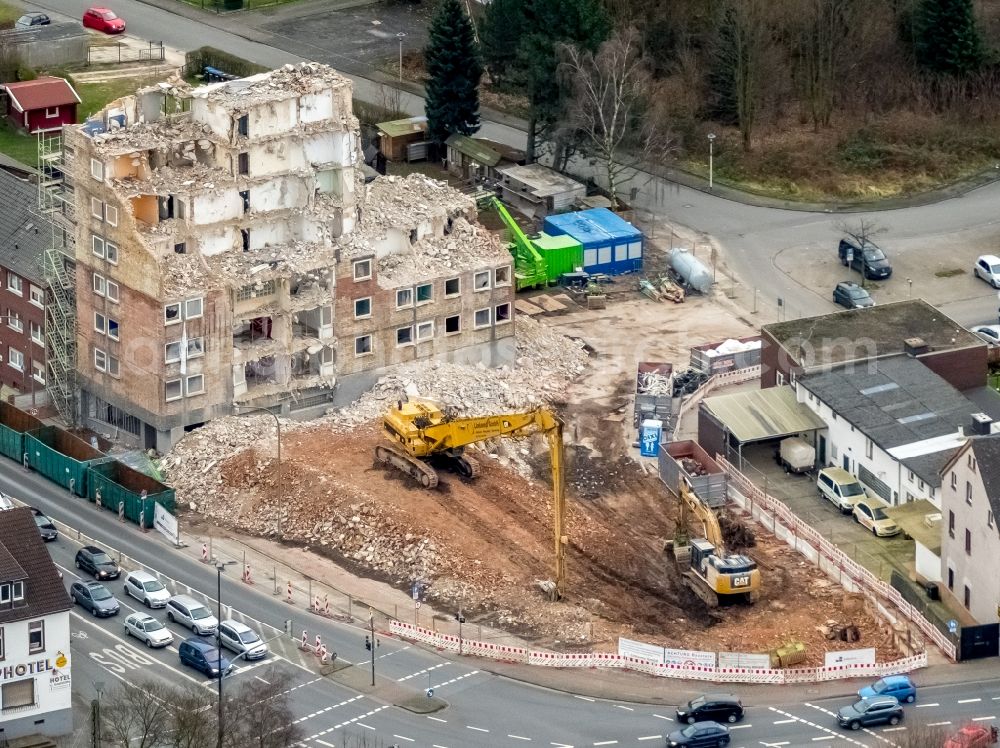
column 744, row 660
column 850, row 657
column 631, row 648
column 165, row 522
column 664, row 655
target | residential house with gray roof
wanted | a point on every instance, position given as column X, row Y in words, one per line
column 970, row 535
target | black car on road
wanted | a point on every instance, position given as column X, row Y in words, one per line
column 93, row 560
column 700, row 735
column 874, row 710
column 28, row 20
column 94, row 597
column 715, row 707
column 860, row 255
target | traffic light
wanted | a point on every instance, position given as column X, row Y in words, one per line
column 368, row 644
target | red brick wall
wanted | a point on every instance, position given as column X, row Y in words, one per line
column 964, row 368
column 10, row 302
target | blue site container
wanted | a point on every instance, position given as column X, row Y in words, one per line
column 611, row 244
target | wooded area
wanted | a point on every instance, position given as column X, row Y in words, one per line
column 808, row 98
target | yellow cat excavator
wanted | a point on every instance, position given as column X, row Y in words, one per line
column 421, row 435
column 712, row 575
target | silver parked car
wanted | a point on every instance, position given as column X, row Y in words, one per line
column 147, row 629
column 191, row 614
column 147, row 589
column 241, row 639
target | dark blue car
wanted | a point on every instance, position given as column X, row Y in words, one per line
column 204, row 657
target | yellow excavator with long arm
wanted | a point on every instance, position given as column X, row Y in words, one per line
column 712, row 575
column 420, row 432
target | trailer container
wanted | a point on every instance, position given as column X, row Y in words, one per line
column 13, row 423
column 116, row 482
column 61, row 457
column 689, row 461
column 562, row 254
column 710, row 363
column 653, row 392
column 611, row 244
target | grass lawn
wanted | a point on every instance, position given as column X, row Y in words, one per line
column 94, row 96
column 17, row 144
column 9, row 12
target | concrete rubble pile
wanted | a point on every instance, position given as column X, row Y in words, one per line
column 217, row 467
column 546, row 361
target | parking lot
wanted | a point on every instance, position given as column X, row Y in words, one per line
column 799, row 493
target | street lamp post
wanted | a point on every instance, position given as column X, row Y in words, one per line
column 711, row 159
column 371, row 626
column 401, row 35
column 280, row 482
column 219, row 568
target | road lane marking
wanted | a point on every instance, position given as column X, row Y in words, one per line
column 584, row 698
column 403, row 737
column 982, row 719
column 436, row 719
column 518, row 737
column 607, row 742
column 819, row 727
column 775, row 745
column 626, row 708
column 924, row 706
column 367, row 727
column 824, row 737
column 454, row 680
column 477, row 729
column 893, row 729
column 422, row 672
column 938, row 724
column 266, row 683
column 327, row 709
column 651, row 737
column 660, row 716
column 784, row 721
column 739, row 727
column 323, row 742
column 969, row 701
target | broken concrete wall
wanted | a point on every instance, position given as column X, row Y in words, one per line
column 213, row 207
column 215, row 117
column 275, row 157
column 273, row 118
column 216, row 240
column 279, row 193
column 329, row 148
column 316, row 107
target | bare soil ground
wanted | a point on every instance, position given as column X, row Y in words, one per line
column 486, row 544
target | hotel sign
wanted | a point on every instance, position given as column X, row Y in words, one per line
column 34, row 667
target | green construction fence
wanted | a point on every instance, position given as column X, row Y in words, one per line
column 13, row 423
column 115, row 482
column 61, row 457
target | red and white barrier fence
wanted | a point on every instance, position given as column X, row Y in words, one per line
column 687, row 672
column 784, row 524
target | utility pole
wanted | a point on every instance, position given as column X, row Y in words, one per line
column 371, row 626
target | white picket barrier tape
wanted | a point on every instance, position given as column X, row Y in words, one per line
column 686, row 672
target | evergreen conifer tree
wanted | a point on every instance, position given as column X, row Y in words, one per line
column 946, row 37
column 453, row 69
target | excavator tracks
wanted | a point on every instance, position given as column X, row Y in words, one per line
column 417, row 469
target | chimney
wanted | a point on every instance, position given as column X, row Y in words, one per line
column 981, row 424
column 914, row 347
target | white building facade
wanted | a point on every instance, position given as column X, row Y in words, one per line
column 35, row 680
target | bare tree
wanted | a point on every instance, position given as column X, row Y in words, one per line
column 610, row 108
column 136, row 716
column 259, row 715
column 744, row 68
column 194, row 718
column 861, row 232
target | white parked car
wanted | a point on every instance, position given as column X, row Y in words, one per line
column 989, row 333
column 241, row 639
column 147, row 589
column 147, row 629
column 987, row 267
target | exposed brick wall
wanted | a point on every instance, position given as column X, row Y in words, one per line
column 963, row 369
column 12, row 303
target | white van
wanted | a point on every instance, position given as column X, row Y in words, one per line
column 840, row 487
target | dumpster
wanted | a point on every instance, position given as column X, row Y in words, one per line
column 689, row 461
column 61, row 457
column 653, row 392
column 13, row 423
column 116, row 482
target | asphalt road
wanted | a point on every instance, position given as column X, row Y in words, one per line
column 478, row 708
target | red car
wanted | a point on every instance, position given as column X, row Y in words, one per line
column 972, row 736
column 102, row 19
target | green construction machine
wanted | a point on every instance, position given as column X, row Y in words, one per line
column 529, row 266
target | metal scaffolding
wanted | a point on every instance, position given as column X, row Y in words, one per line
column 56, row 205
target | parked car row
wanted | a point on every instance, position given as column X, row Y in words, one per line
column 845, row 492
column 183, row 610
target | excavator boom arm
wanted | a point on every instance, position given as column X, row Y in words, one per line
column 461, row 432
column 705, row 515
